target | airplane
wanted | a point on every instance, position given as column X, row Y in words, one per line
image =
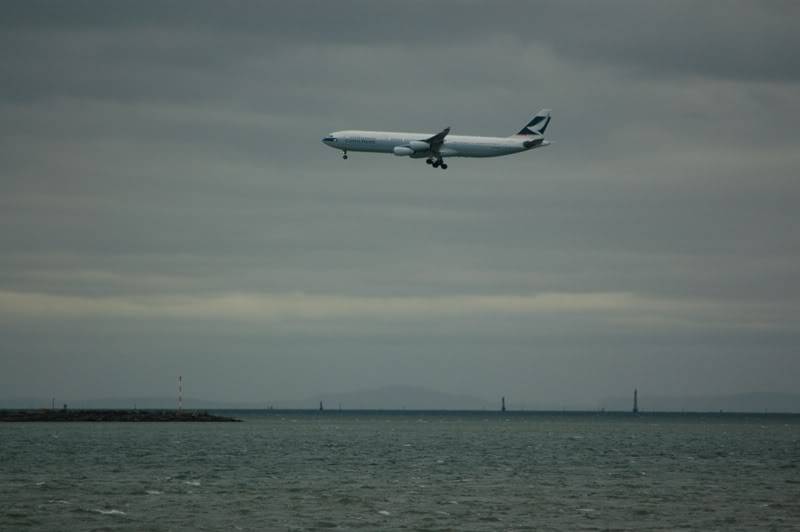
column 434, row 148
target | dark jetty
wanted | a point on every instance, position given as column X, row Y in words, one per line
column 111, row 415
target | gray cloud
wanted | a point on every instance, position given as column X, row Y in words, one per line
column 731, row 40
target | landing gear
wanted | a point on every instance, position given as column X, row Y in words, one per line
column 438, row 163
column 345, row 155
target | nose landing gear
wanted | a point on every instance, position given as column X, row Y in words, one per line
column 345, row 155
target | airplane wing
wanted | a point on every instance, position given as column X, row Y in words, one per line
column 437, row 140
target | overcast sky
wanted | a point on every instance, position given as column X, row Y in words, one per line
column 168, row 207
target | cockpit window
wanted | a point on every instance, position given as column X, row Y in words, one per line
column 329, row 139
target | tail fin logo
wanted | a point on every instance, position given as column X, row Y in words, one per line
column 538, row 124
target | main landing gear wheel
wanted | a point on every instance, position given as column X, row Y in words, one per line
column 438, row 163
column 428, row 161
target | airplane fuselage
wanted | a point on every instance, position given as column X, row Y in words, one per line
column 453, row 145
column 435, row 147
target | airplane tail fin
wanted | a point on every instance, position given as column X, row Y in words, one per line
column 538, row 124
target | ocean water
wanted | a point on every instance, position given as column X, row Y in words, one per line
column 405, row 471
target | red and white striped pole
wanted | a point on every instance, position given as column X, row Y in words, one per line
column 180, row 393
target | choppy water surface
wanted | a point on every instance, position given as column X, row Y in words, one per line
column 304, row 471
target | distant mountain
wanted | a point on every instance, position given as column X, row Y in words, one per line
column 742, row 402
column 394, row 398
column 417, row 398
column 388, row 398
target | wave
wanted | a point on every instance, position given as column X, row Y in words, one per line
column 109, row 512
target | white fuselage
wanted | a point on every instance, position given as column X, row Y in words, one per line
column 453, row 145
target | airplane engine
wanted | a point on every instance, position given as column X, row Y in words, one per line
column 402, row 150
column 419, row 145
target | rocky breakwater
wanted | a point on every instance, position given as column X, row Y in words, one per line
column 113, row 415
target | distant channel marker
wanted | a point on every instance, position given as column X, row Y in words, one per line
column 113, row 415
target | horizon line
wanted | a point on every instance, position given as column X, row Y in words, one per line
column 601, row 412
